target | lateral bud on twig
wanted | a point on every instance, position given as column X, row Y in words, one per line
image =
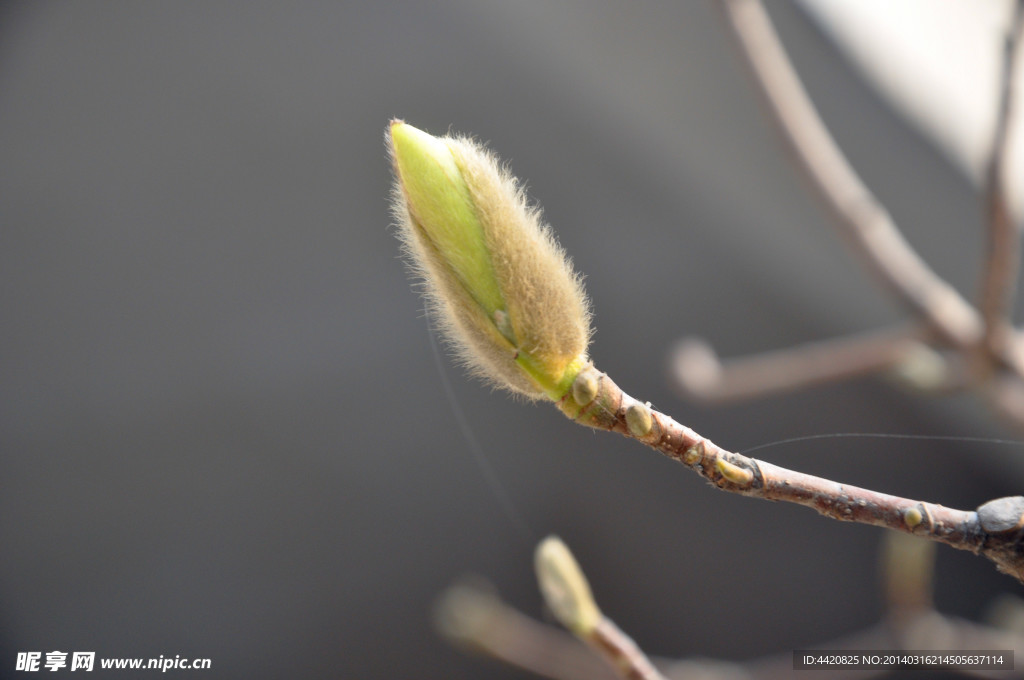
column 739, row 476
column 695, row 454
column 584, row 387
column 912, row 517
column 639, row 419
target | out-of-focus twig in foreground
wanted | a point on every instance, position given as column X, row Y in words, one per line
column 475, row 618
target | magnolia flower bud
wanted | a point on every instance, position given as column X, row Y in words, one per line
column 564, row 587
column 507, row 297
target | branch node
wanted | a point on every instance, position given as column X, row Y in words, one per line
column 1003, row 515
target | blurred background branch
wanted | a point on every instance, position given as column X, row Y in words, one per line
column 474, row 618
column 983, row 338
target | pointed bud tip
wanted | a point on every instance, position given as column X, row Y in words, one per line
column 419, row 156
column 564, row 586
column 407, row 136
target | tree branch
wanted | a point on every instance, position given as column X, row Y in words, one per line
column 864, row 221
column 999, row 279
column 477, row 619
column 621, row 652
column 995, row 530
column 568, row 596
column 699, row 373
column 518, row 640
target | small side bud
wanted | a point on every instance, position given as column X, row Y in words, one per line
column 639, row 420
column 912, row 517
column 584, row 387
column 503, row 290
column 564, row 587
column 694, row 454
column 734, row 473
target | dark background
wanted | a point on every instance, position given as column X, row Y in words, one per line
column 223, row 432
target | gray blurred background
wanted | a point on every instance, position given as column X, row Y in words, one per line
column 223, row 432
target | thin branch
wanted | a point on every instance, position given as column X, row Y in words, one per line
column 999, row 280
column 518, row 640
column 567, row 594
column 994, row 530
column 474, row 618
column 478, row 619
column 927, row 631
column 778, row 666
column 864, row 221
column 621, row 652
column 699, row 373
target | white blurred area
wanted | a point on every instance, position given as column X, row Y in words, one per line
column 939, row 64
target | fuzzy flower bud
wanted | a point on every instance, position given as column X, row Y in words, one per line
column 505, row 294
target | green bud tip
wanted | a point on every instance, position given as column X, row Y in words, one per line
column 564, row 587
column 505, row 295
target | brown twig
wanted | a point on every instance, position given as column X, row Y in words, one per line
column 988, row 351
column 999, row 280
column 699, row 373
column 621, row 652
column 518, row 640
column 778, row 666
column 995, row 530
column 865, row 222
column 929, row 630
column 472, row 617
column 567, row 594
column 478, row 619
